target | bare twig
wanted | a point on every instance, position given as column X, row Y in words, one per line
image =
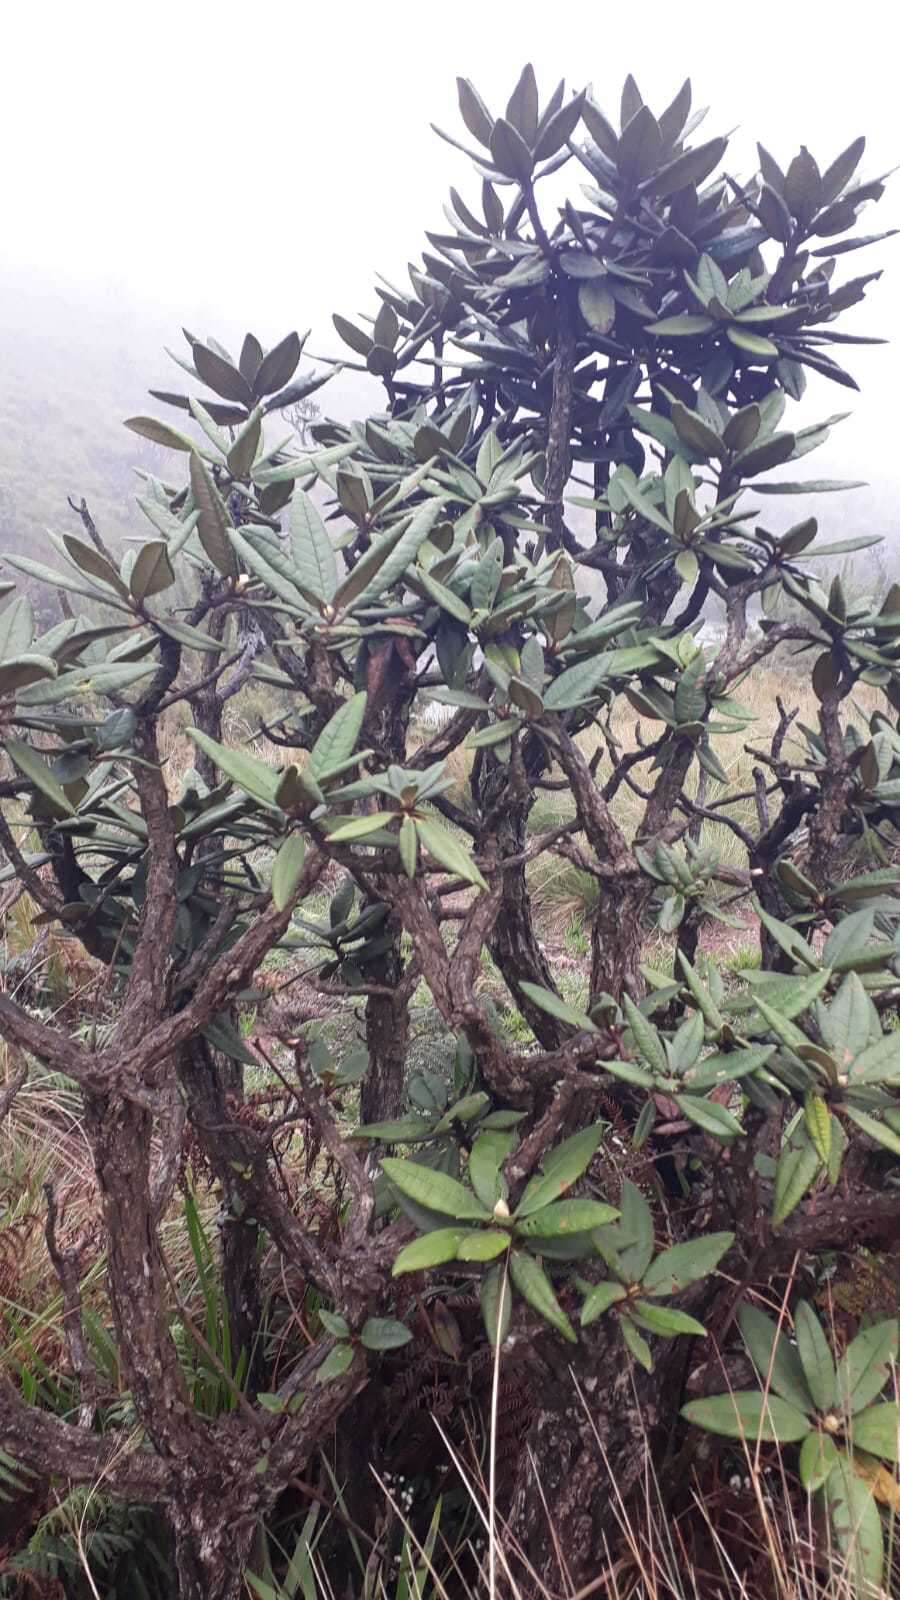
column 90, row 528
column 11, row 1089
column 65, row 1265
column 46, row 898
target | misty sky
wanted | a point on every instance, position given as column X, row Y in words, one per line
column 265, row 160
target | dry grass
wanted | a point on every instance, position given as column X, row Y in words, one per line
column 742, row 1529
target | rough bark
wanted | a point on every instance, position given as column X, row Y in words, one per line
column 826, row 843
column 120, row 1140
column 212, row 1543
column 387, row 1035
column 391, row 688
column 559, row 424
column 207, row 710
column 505, row 796
column 217, row 1093
column 514, row 944
column 587, row 1443
column 598, row 1419
column 617, row 925
column 617, row 937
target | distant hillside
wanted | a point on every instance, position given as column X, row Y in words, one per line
column 76, row 361
column 73, row 367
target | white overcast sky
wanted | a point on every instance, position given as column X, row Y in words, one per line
column 265, row 159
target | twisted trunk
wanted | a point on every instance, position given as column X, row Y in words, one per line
column 391, row 687
column 120, row 1135
column 597, row 1419
column 207, row 1505
column 220, row 1090
column 514, row 945
column 617, row 937
column 215, row 1088
column 213, row 1536
column 387, row 1038
column 506, row 796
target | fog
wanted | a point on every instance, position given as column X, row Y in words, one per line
column 256, row 165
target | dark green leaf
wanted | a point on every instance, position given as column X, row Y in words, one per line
column 192, row 638
column 448, row 852
column 160, row 433
column 600, row 130
column 695, row 432
column 576, row 684
column 636, row 1343
column 866, row 1365
column 562, row 1167
column 798, row 1167
column 596, row 305
column 486, row 1157
column 646, row 1038
column 879, row 1131
column 692, row 166
column 551, row 1003
column 34, row 768
column 484, row 1245
column 242, row 453
column 486, row 578
column 496, row 1303
column 558, row 129
column 666, row 1320
column 523, row 108
column 684, row 1264
column 435, row 1190
column 336, row 1363
column 818, row 1457
column 755, row 344
column 599, row 1300
column 566, row 1216
column 278, row 367
column 857, row 1524
column 16, row 628
column 361, row 827
column 152, row 570
column 250, row 357
column 710, row 1116
column 18, row 672
column 815, row 1356
column 877, row 1430
column 762, row 457
column 684, row 326
column 286, row 869
column 254, row 777
column 387, row 558
column 220, row 376
column 474, row 112
column 640, row 146
column 337, row 741
column 533, row 1284
column 353, row 336
column 431, row 1250
column 384, row 1333
column 334, row 1323
column 106, row 678
column 509, row 151
column 748, row 1415
column 213, row 523
column 408, row 845
column 402, row 1130
column 89, row 560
